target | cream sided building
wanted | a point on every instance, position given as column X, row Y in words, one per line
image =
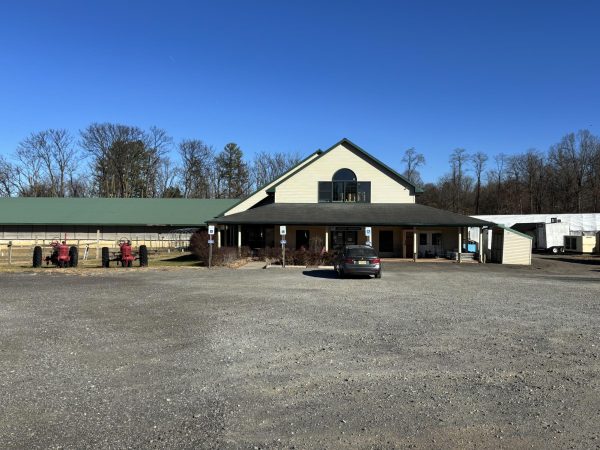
column 332, row 198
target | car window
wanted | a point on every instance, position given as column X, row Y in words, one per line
column 360, row 252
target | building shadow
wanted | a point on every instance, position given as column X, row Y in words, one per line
column 588, row 262
column 331, row 274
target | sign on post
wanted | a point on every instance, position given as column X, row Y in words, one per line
column 368, row 236
column 282, row 232
column 211, row 233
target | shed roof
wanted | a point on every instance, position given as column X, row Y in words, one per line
column 512, row 230
column 111, row 211
column 382, row 214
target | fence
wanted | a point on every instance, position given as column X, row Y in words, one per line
column 22, row 253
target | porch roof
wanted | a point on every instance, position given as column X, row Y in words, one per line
column 376, row 214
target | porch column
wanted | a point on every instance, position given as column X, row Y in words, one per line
column 459, row 242
column 480, row 244
column 415, row 244
column 218, row 238
column 326, row 239
column 239, row 238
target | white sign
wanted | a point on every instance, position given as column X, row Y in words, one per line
column 369, row 243
column 283, row 242
column 210, row 241
column 282, row 230
column 368, row 231
column 211, row 230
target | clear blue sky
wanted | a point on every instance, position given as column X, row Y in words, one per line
column 493, row 76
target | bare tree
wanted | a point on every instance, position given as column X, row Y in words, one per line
column 267, row 167
column 413, row 161
column 198, row 176
column 6, row 178
column 479, row 159
column 458, row 162
column 126, row 161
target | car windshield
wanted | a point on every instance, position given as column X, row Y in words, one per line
column 360, row 252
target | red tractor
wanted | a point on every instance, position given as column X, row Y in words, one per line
column 125, row 256
column 61, row 256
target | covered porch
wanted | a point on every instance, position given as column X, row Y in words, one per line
column 406, row 231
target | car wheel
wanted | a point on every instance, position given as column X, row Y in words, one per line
column 341, row 273
column 554, row 250
column 378, row 274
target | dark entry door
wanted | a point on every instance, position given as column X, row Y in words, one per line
column 386, row 241
column 302, row 239
column 409, row 244
column 341, row 238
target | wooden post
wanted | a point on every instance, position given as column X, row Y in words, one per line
column 480, row 244
column 414, row 244
column 326, row 239
column 459, row 243
column 97, row 244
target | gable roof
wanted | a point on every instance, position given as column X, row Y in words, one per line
column 176, row 212
column 383, row 167
column 286, row 174
column 512, row 230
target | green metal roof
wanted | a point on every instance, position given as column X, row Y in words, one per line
column 175, row 212
column 512, row 230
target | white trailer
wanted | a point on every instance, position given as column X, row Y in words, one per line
column 550, row 236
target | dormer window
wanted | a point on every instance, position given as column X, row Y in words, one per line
column 344, row 187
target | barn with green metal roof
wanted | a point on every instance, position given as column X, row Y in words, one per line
column 23, row 220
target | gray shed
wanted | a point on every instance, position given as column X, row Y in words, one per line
column 510, row 246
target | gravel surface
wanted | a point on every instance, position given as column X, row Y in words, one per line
column 430, row 356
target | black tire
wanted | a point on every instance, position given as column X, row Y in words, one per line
column 378, row 274
column 37, row 256
column 143, row 256
column 73, row 256
column 105, row 257
column 341, row 273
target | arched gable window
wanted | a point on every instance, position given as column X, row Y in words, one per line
column 344, row 175
column 344, row 187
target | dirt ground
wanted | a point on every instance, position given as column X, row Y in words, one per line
column 429, row 356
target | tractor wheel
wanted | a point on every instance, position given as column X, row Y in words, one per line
column 37, row 256
column 73, row 256
column 143, row 256
column 105, row 257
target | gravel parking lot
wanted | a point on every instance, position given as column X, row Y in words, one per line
column 430, row 356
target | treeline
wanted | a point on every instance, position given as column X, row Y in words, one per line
column 113, row 160
column 563, row 179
